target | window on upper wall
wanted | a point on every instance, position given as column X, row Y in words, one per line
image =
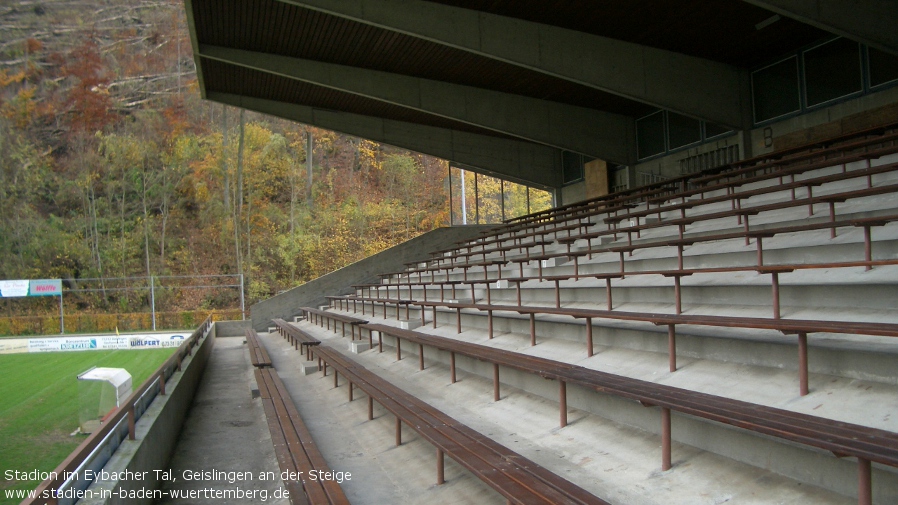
column 664, row 131
column 775, row 90
column 832, row 70
column 650, row 135
column 682, row 131
column 572, row 167
column 883, row 67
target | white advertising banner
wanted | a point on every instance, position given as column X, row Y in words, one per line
column 146, row 341
column 13, row 289
column 13, row 345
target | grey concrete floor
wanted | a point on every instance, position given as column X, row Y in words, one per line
column 225, row 431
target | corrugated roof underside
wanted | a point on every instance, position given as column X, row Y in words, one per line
column 720, row 30
column 227, row 78
column 287, row 30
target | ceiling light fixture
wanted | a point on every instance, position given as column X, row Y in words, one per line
column 767, row 22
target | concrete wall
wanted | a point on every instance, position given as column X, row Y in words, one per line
column 669, row 166
column 781, row 129
column 232, row 328
column 157, row 432
column 572, row 193
column 340, row 282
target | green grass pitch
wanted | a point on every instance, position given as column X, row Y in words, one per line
column 39, row 404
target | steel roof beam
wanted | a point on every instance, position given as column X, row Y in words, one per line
column 517, row 161
column 586, row 131
column 689, row 85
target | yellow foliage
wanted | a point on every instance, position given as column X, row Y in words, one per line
column 6, row 79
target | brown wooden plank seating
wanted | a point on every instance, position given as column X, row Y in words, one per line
column 676, row 186
column 842, row 439
column 353, row 322
column 876, row 131
column 732, row 194
column 522, row 247
column 747, row 233
column 258, row 356
column 743, row 213
column 773, row 162
column 509, row 473
column 773, row 270
column 499, row 240
column 361, row 288
column 626, row 197
column 754, row 165
column 442, row 284
column 740, row 170
column 583, row 210
column 446, row 268
column 799, row 327
column 738, row 197
column 735, row 197
column 294, row 447
column 543, row 257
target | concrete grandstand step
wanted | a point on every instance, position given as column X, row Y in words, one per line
column 852, row 357
column 600, row 454
column 307, row 367
column 358, row 346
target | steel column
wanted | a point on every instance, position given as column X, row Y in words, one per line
column 532, row 329
column 589, row 350
column 452, row 367
column 864, row 482
column 672, row 347
column 775, row 285
column 562, row 402
column 803, row 363
column 665, row 439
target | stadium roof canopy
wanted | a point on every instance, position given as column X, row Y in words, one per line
column 505, row 86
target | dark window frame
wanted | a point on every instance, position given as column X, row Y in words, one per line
column 868, row 73
column 799, row 77
column 665, row 149
column 864, row 83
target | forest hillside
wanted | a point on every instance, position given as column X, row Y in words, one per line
column 112, row 167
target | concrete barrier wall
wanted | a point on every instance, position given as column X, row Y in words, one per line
column 232, row 328
column 340, row 282
column 157, row 432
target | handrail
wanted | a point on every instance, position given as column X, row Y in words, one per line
column 47, row 492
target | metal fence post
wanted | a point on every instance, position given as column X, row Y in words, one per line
column 242, row 302
column 153, row 300
column 61, row 316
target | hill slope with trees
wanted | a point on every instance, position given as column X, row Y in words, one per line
column 111, row 166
